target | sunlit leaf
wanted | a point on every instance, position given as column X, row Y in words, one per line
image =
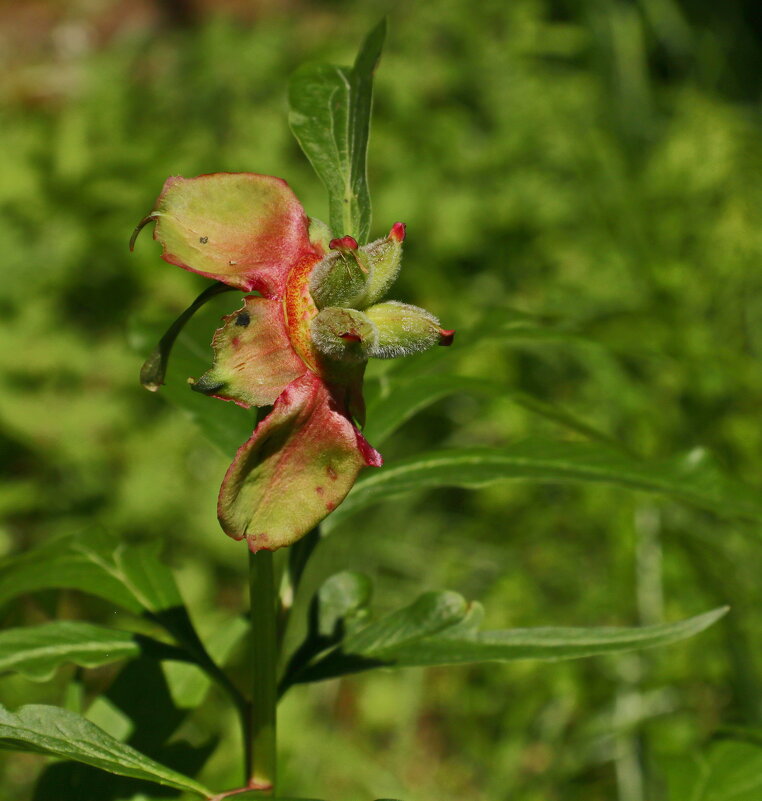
column 330, row 117
column 36, row 651
column 130, row 576
column 439, row 629
column 57, row 732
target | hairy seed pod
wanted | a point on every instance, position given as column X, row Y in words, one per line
column 344, row 334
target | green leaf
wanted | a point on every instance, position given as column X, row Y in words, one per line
column 546, row 643
column 57, row 732
column 693, row 478
column 330, row 109
column 342, row 597
column 370, row 645
column 187, row 683
column 68, row 562
column 398, row 403
column 441, row 629
column 131, row 576
column 36, row 651
column 429, row 614
column 732, row 771
column 339, row 607
column 388, row 411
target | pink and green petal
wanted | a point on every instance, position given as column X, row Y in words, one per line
column 243, row 229
column 254, row 360
column 298, row 466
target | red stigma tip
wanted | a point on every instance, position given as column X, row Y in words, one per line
column 344, row 243
column 398, row 232
column 350, row 337
column 446, row 337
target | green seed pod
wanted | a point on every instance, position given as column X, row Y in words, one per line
column 402, row 329
column 344, row 334
column 384, row 257
column 340, row 279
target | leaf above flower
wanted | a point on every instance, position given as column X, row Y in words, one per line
column 330, row 118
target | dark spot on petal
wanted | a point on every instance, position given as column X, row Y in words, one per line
column 331, row 473
column 243, row 319
column 319, row 490
column 330, row 506
column 203, row 239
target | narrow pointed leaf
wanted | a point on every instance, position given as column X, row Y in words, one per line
column 547, row 643
column 37, row 651
column 370, row 646
column 408, row 638
column 330, row 110
column 693, row 479
column 57, row 732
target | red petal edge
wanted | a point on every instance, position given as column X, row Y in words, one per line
column 297, row 467
column 244, row 254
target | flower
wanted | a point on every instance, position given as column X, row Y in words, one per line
column 299, row 345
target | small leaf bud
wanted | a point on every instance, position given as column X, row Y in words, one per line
column 344, row 334
column 402, row 329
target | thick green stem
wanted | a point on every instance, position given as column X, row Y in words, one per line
column 261, row 741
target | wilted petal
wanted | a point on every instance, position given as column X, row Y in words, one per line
column 297, row 467
column 254, row 360
column 243, row 229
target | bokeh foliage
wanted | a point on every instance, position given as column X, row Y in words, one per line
column 594, row 164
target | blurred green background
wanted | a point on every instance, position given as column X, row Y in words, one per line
column 594, row 163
